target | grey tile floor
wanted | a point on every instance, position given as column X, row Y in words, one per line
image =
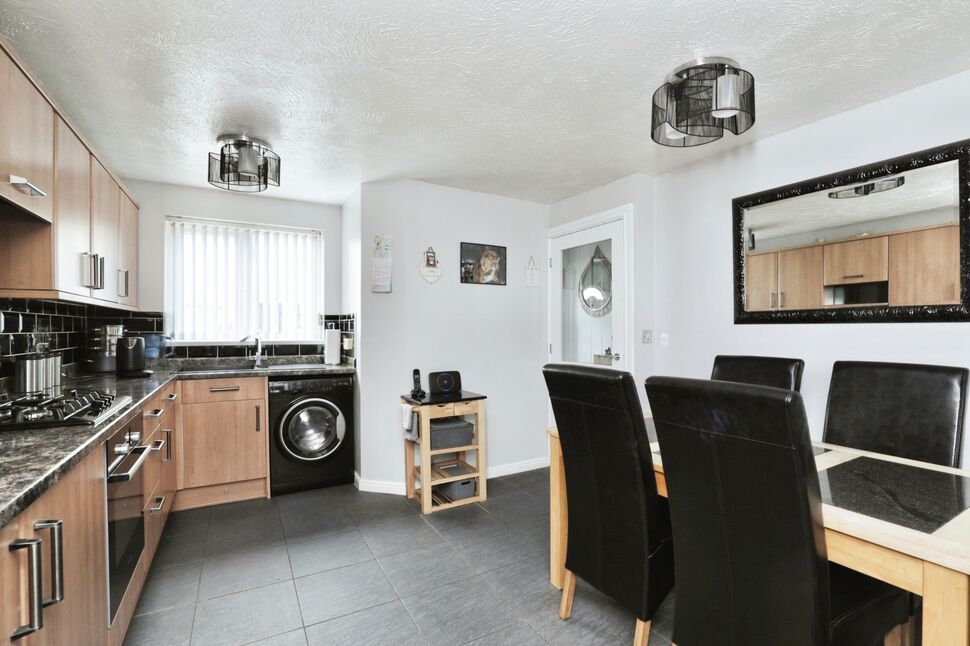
column 337, row 567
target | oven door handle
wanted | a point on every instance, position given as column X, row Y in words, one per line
column 142, row 452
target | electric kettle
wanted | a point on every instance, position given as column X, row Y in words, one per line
column 130, row 356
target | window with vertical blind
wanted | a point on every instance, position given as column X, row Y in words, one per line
column 228, row 280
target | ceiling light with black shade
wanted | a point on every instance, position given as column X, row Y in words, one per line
column 700, row 100
column 243, row 164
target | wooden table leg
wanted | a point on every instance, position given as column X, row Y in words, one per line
column 409, row 468
column 424, row 442
column 557, row 514
column 946, row 607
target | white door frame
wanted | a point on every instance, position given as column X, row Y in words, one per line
column 623, row 213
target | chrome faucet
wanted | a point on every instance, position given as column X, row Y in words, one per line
column 258, row 357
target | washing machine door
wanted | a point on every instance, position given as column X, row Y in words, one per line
column 311, row 429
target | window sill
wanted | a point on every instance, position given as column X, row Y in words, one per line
column 176, row 344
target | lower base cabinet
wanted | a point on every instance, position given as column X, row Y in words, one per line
column 224, row 448
column 76, row 502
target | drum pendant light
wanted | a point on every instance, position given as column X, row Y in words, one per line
column 700, row 100
column 243, row 164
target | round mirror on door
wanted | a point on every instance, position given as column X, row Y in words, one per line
column 596, row 285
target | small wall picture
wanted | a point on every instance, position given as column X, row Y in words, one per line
column 483, row 264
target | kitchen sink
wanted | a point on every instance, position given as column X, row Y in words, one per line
column 214, row 368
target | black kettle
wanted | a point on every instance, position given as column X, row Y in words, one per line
column 130, row 356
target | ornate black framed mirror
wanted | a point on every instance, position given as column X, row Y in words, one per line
column 885, row 242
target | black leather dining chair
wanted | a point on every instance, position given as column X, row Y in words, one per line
column 776, row 372
column 908, row 410
column 619, row 529
column 751, row 563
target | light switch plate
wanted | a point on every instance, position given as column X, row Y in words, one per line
column 664, row 338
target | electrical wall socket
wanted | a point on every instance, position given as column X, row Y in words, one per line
column 647, row 336
column 664, row 339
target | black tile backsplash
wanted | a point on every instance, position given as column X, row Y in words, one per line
column 28, row 322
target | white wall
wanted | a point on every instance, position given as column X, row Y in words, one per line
column 638, row 190
column 693, row 226
column 159, row 200
column 350, row 254
column 495, row 336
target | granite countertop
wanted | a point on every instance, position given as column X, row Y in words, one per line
column 32, row 460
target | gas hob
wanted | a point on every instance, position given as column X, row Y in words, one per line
column 72, row 407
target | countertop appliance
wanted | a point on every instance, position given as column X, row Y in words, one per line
column 72, row 407
column 130, row 357
column 102, row 346
column 125, row 491
column 312, row 423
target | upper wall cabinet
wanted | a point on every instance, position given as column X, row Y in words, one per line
column 77, row 242
column 26, row 143
column 878, row 243
column 74, row 263
column 127, row 252
column 105, row 232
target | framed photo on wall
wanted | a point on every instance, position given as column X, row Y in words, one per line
column 483, row 264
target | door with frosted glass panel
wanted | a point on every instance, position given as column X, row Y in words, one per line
column 587, row 308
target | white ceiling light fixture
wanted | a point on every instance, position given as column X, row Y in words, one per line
column 243, row 164
column 700, row 100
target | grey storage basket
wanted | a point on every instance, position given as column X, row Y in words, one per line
column 459, row 489
column 449, row 432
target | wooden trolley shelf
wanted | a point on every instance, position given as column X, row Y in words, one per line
column 430, row 495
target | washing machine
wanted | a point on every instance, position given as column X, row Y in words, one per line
column 312, row 424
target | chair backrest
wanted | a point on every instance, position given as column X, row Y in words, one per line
column 907, row 410
column 614, row 524
column 749, row 544
column 776, row 372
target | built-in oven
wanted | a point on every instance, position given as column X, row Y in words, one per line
column 124, row 457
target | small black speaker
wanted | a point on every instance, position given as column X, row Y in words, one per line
column 448, row 382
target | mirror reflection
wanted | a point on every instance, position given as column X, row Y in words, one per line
column 892, row 240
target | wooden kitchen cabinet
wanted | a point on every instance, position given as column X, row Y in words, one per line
column 77, row 500
column 127, row 252
column 72, row 213
column 857, row 261
column 800, row 279
column 924, row 267
column 27, row 141
column 105, row 231
column 760, row 282
column 224, row 442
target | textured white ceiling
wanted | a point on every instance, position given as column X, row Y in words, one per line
column 538, row 100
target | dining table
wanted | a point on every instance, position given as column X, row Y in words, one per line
column 897, row 520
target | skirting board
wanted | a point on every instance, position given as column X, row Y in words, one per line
column 397, row 488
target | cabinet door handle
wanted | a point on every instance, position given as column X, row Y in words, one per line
column 159, row 505
column 34, row 575
column 223, row 389
column 57, row 558
column 101, row 271
column 25, row 186
column 155, row 414
column 88, row 269
column 168, row 442
column 855, row 276
column 158, row 445
column 123, row 281
column 172, row 397
column 257, row 418
column 781, row 299
column 771, row 300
